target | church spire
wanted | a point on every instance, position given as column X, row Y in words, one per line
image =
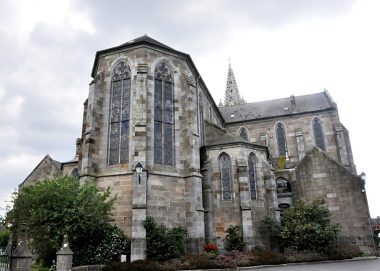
column 232, row 96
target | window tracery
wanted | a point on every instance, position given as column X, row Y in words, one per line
column 225, row 175
column 120, row 114
column 318, row 134
column 281, row 140
column 252, row 175
column 163, row 115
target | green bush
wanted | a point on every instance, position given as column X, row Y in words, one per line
column 164, row 243
column 4, row 237
column 113, row 244
column 306, row 226
column 234, row 239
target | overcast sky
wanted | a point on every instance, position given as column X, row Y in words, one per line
column 277, row 48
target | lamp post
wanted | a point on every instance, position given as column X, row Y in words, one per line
column 139, row 170
column 363, row 176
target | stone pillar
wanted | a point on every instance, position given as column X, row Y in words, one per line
column 90, row 138
column 245, row 204
column 208, row 204
column 138, row 238
column 341, row 146
column 194, row 214
column 64, row 256
column 300, row 144
column 21, row 259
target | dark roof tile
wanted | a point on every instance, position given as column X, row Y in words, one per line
column 277, row 107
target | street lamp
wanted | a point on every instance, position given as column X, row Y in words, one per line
column 363, row 176
column 139, row 170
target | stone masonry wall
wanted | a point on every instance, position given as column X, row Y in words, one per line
column 173, row 192
column 224, row 213
column 301, row 123
column 319, row 176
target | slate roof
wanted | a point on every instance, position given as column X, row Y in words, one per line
column 278, row 107
column 135, row 42
column 146, row 40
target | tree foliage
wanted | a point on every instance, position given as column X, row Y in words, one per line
column 164, row 243
column 61, row 206
column 306, row 226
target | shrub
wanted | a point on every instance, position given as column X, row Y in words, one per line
column 113, row 244
column 268, row 257
column 293, row 256
column 211, row 249
column 234, row 239
column 306, row 226
column 197, row 261
column 137, row 266
column 4, row 237
column 344, row 252
column 163, row 243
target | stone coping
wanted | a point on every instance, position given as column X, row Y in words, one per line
column 248, row 268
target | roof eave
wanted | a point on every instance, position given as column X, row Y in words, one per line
column 332, row 108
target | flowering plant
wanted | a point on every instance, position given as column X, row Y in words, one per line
column 211, row 249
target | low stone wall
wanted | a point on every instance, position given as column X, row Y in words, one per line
column 88, row 268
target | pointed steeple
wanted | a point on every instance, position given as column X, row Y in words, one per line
column 232, row 96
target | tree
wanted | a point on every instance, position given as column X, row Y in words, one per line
column 306, row 226
column 61, row 206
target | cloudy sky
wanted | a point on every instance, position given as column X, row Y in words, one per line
column 277, row 48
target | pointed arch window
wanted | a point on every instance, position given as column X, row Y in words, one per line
column 252, row 175
column 281, row 140
column 243, row 133
column 225, row 175
column 318, row 134
column 163, row 115
column 120, row 106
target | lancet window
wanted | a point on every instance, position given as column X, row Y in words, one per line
column 163, row 115
column 318, row 134
column 243, row 133
column 120, row 105
column 281, row 140
column 225, row 175
column 252, row 175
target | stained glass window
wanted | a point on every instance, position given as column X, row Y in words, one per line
column 120, row 114
column 252, row 175
column 281, row 140
column 243, row 133
column 318, row 134
column 225, row 175
column 163, row 116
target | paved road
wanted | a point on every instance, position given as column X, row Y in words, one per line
column 362, row 265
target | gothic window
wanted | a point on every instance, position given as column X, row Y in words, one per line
column 202, row 124
column 281, row 140
column 120, row 114
column 163, row 116
column 243, row 133
column 225, row 175
column 252, row 175
column 318, row 134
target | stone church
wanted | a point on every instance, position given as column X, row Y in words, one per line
column 206, row 167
